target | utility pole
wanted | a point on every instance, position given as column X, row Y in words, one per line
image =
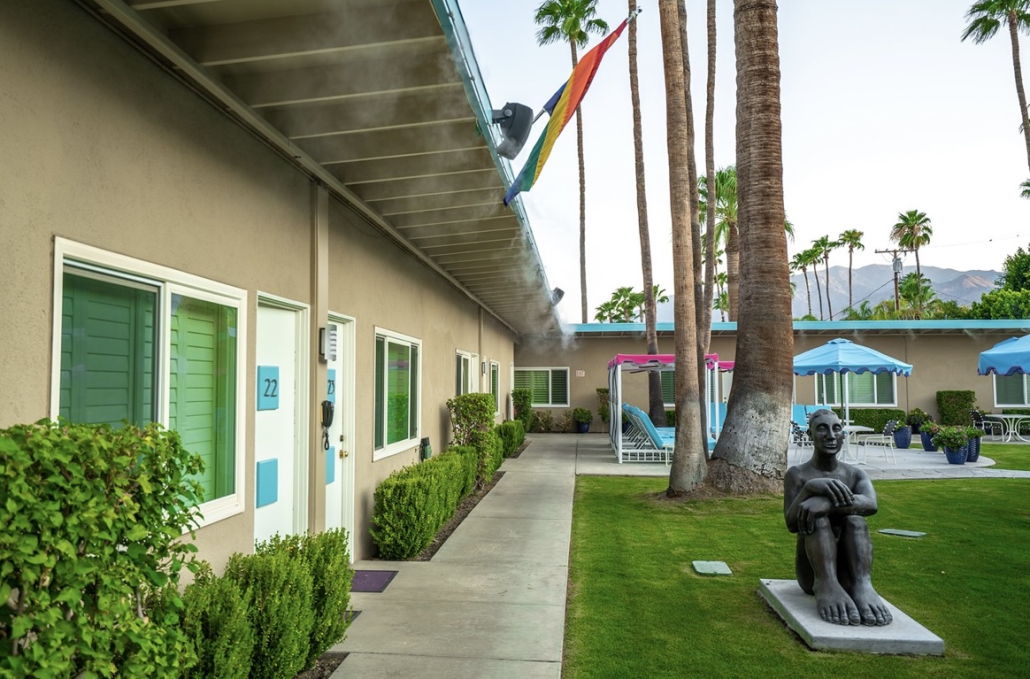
column 896, row 265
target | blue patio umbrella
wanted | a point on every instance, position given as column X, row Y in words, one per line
column 1009, row 357
column 844, row 356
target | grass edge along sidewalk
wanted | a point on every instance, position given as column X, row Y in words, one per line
column 636, row 609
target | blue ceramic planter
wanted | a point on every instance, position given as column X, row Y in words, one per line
column 582, row 427
column 903, row 436
column 974, row 449
column 927, row 439
column 957, row 456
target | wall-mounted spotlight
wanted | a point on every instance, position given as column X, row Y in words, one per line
column 556, row 296
column 515, row 121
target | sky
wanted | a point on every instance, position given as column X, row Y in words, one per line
column 884, row 110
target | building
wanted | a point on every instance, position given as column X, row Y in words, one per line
column 235, row 216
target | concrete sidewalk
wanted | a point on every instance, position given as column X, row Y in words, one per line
column 491, row 603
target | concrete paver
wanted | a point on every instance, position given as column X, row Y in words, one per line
column 491, row 602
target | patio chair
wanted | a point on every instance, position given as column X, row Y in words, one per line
column 884, row 441
column 992, row 427
column 799, row 439
column 644, row 442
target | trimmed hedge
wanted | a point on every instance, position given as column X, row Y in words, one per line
column 876, row 418
column 216, row 621
column 954, row 406
column 512, row 435
column 522, row 400
column 471, row 416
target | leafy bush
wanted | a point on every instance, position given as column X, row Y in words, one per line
column 952, row 438
column 565, row 423
column 92, row 519
column 472, row 416
column 216, row 621
column 280, row 591
column 522, row 400
column 875, row 418
column 543, row 422
column 471, row 463
column 493, row 454
column 954, row 406
column 916, row 418
column 582, row 416
column 604, row 404
column 328, row 563
column 512, row 435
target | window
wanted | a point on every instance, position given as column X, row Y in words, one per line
column 397, row 393
column 1010, row 390
column 495, row 385
column 143, row 343
column 549, row 387
column 668, row 387
column 865, row 389
column 466, row 365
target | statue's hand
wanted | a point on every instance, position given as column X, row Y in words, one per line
column 810, row 510
column 835, row 490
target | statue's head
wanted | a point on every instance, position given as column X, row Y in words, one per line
column 826, row 431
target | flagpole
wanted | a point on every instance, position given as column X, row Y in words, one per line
column 633, row 15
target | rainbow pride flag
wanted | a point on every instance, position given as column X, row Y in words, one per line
column 562, row 106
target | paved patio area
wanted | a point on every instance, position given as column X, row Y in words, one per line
column 491, row 603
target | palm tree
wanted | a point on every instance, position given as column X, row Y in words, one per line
column 801, row 263
column 825, row 246
column 573, row 21
column 724, row 209
column 688, row 462
column 814, row 256
column 709, row 215
column 656, row 404
column 1025, row 189
column 912, row 231
column 917, row 291
column 985, row 18
column 749, row 455
column 851, row 238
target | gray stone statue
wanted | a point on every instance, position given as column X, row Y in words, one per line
column 825, row 501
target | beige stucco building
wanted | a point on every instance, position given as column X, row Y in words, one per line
column 196, row 197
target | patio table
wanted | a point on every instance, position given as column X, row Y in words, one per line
column 853, row 431
column 1009, row 425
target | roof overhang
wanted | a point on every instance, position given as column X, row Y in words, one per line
column 380, row 101
column 836, row 328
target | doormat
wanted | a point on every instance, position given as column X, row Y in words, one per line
column 371, row 581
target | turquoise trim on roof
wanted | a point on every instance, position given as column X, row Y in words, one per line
column 1014, row 324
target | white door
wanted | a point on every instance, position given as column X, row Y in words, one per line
column 277, row 422
column 339, row 490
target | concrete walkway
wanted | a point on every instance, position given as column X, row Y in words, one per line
column 491, row 603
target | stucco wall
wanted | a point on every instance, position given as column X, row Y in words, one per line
column 103, row 147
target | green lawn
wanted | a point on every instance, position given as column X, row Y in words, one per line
column 637, row 610
column 1007, row 455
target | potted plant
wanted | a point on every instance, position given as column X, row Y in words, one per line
column 955, row 442
column 583, row 417
column 926, row 433
column 903, row 436
column 915, row 419
column 974, row 435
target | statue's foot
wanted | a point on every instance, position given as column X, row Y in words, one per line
column 870, row 606
column 835, row 606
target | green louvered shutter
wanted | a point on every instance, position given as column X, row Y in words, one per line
column 860, row 389
column 559, row 387
column 1009, row 390
column 668, row 386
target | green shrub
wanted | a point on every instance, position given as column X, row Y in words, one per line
column 472, row 416
column 582, row 416
column 512, row 435
column 875, row 418
column 280, row 591
column 522, row 400
column 493, row 454
column 543, row 422
column 216, row 621
column 604, row 404
column 471, row 462
column 954, row 406
column 327, row 561
column 92, row 519
column 565, row 423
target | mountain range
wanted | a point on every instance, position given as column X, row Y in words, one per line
column 874, row 283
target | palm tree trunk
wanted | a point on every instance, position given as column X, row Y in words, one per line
column 751, row 454
column 688, row 464
column 695, row 230
column 808, row 290
column 656, row 404
column 851, row 259
column 829, row 309
column 733, row 259
column 582, row 201
column 818, row 290
column 1014, row 36
column 706, row 327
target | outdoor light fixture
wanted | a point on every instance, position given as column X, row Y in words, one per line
column 515, row 121
column 556, row 296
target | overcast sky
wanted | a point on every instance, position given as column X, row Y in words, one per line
column 884, row 110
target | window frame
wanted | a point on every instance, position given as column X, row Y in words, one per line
column 391, row 449
column 495, row 370
column 994, row 388
column 168, row 281
column 550, row 385
column 851, row 404
column 472, row 383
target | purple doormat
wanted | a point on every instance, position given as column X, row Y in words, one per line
column 371, row 581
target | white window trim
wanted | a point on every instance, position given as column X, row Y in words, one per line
column 495, row 365
column 994, row 384
column 71, row 252
column 388, row 450
column 839, row 404
column 474, row 385
column 568, row 384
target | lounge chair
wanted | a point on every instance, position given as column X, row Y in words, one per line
column 644, row 442
column 992, row 427
column 884, row 441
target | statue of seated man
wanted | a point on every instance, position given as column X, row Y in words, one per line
column 825, row 501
